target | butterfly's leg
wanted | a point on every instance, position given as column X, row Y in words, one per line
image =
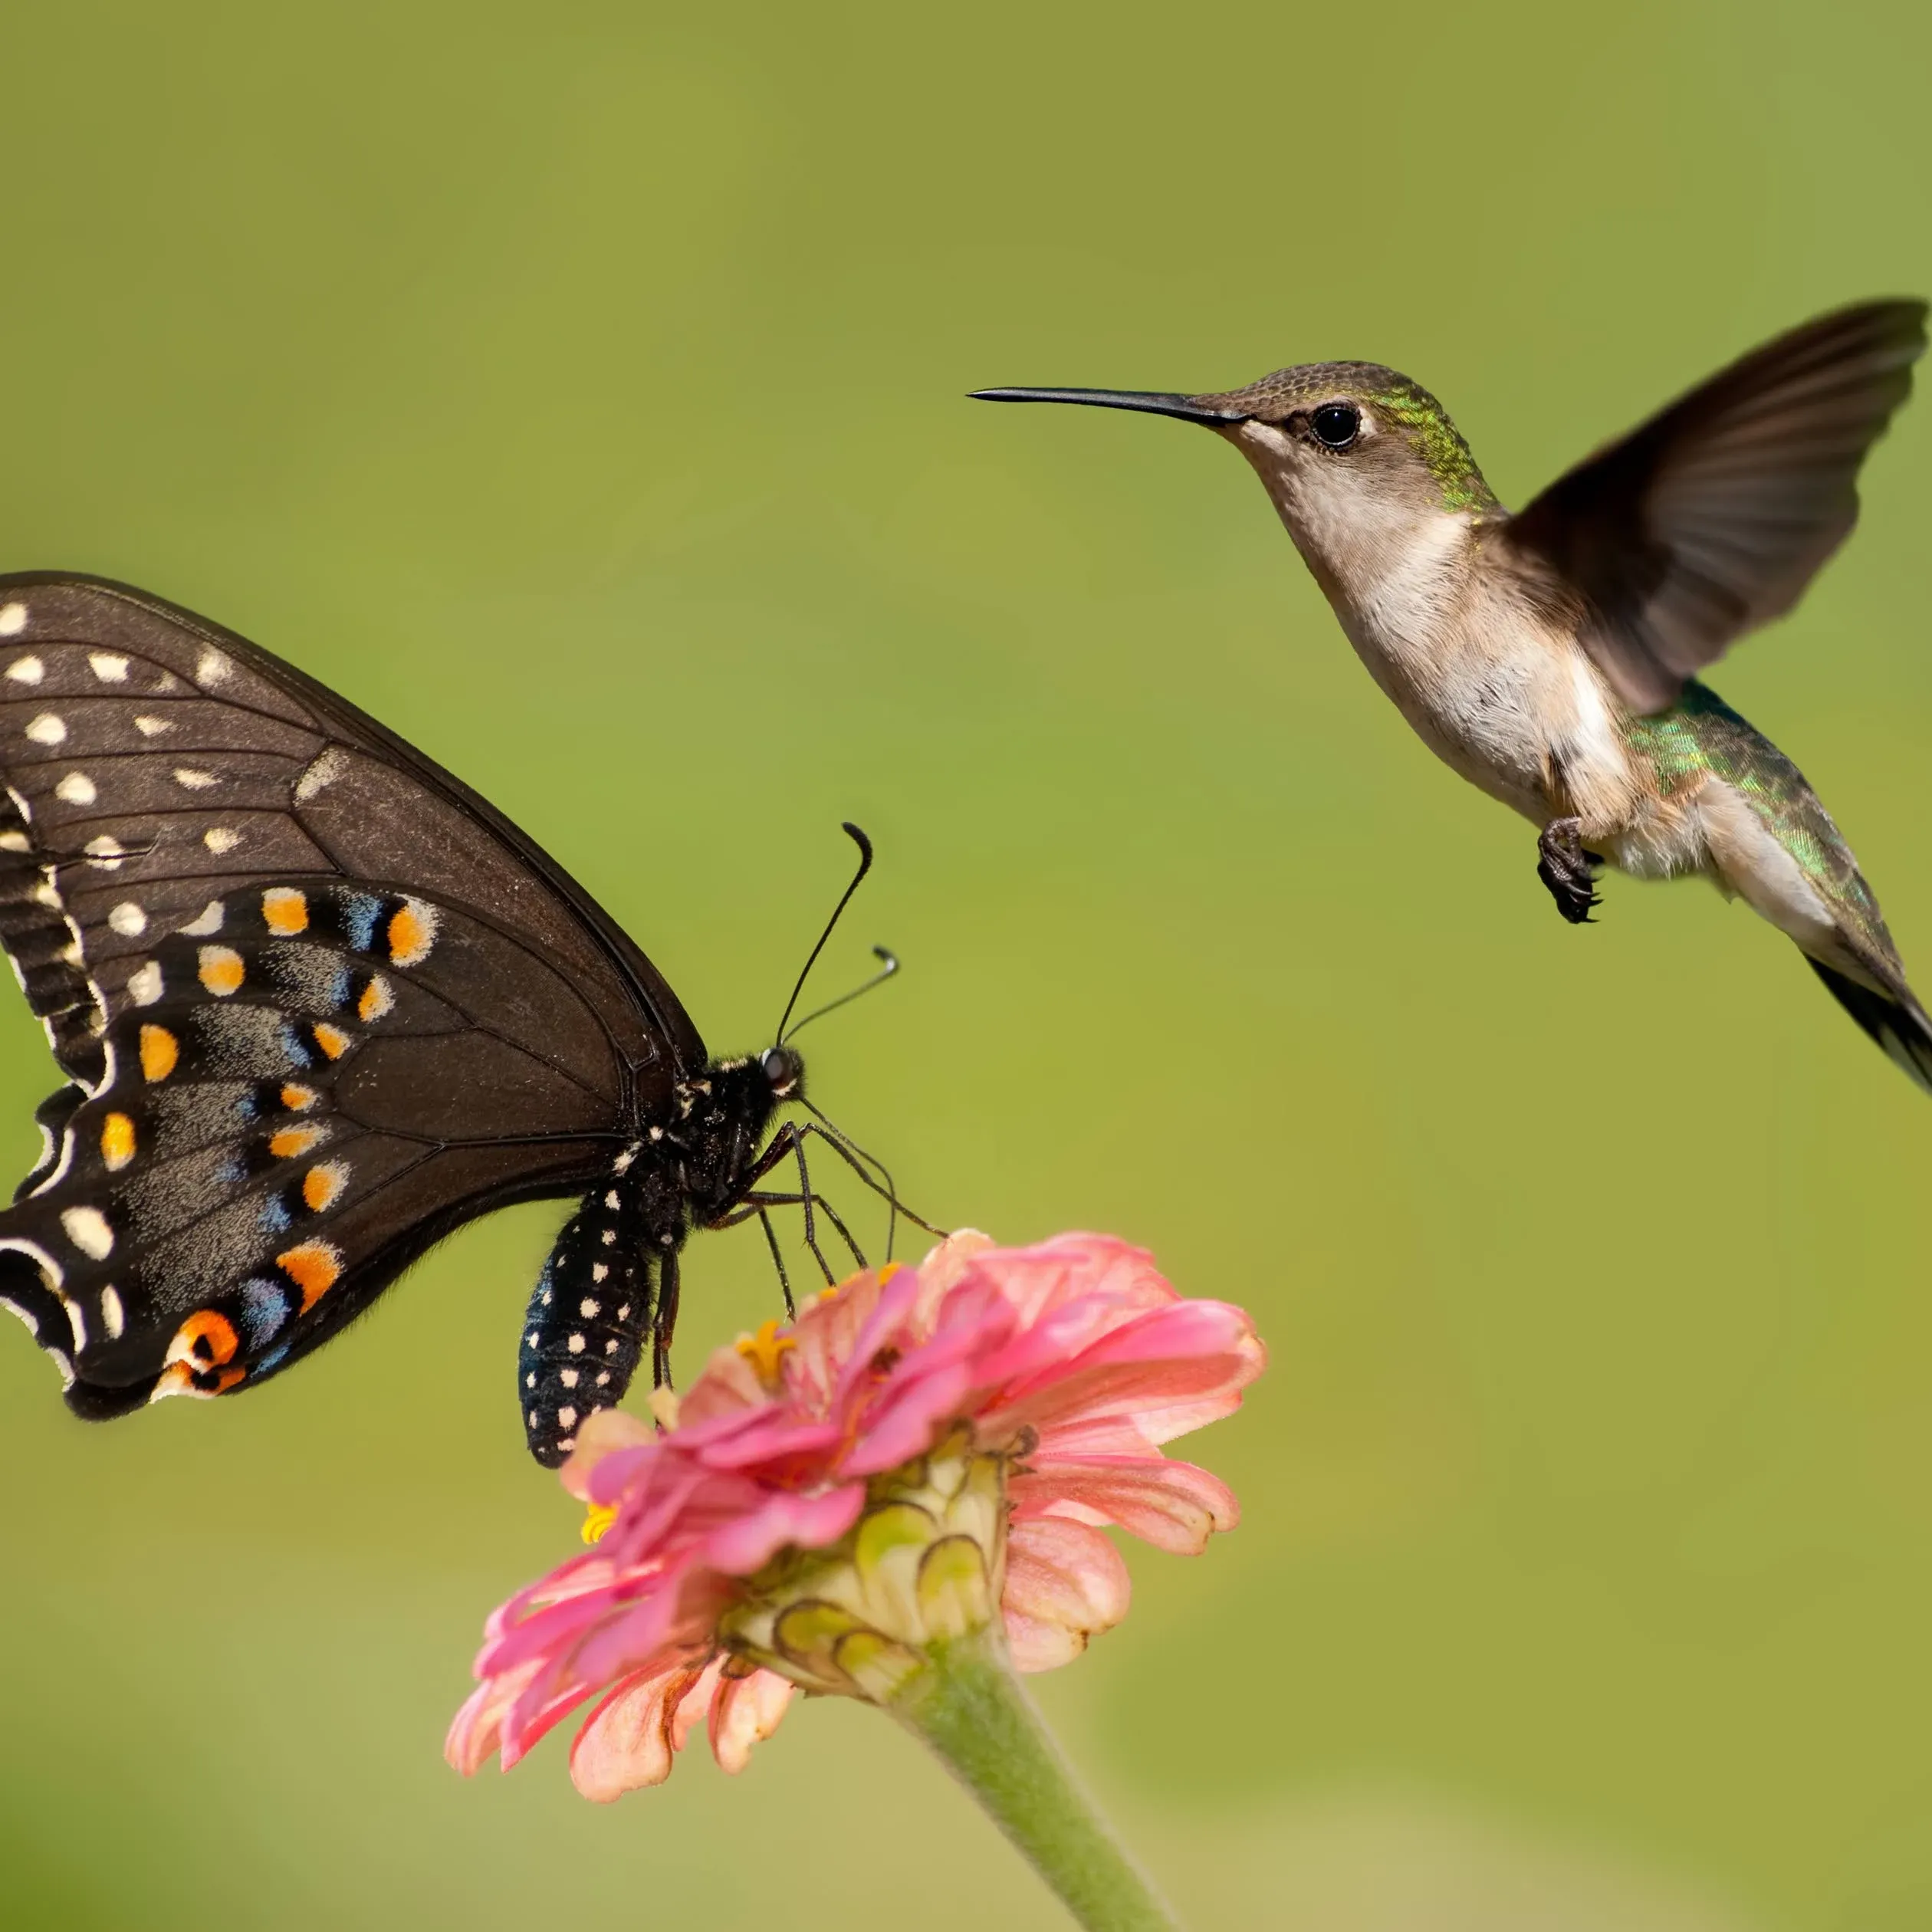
column 854, row 1156
column 778, row 1262
column 756, row 1202
column 664, row 1320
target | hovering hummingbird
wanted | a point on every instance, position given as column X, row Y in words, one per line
column 1548, row 657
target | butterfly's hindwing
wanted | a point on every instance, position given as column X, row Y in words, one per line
column 319, row 1003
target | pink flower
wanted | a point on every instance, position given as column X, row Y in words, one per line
column 923, row 1447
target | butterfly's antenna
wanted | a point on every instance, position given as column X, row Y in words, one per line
column 864, row 844
column 886, row 970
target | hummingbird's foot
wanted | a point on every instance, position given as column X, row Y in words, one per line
column 1568, row 870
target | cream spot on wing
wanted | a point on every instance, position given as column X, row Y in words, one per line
column 106, row 853
column 47, row 729
column 150, row 727
column 88, row 1229
column 190, row 779
column 211, row 667
column 28, row 670
column 144, row 985
column 219, row 839
column 324, row 770
column 128, row 919
column 13, row 620
column 208, row 921
column 15, row 841
column 114, row 1318
column 77, row 788
column 77, row 1322
column 109, row 666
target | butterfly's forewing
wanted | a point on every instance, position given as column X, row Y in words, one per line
column 318, row 1002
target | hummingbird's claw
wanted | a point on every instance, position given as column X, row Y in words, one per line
column 1568, row 870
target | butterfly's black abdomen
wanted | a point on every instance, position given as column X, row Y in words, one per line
column 611, row 1282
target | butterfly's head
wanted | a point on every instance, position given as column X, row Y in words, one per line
column 784, row 1071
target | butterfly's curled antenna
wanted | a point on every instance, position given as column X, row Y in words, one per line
column 889, row 965
column 864, row 844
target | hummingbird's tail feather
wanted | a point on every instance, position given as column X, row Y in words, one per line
column 1896, row 1021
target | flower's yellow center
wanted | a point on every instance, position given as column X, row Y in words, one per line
column 764, row 1350
column 597, row 1518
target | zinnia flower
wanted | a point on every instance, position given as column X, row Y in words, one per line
column 919, row 1468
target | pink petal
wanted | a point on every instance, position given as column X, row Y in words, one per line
column 1174, row 1506
column 628, row 1740
column 745, row 1712
column 1170, row 1370
column 1039, row 1280
column 1065, row 1582
column 942, row 1270
column 476, row 1732
column 601, row 1434
column 749, row 1541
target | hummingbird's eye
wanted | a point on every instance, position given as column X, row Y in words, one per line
column 1336, row 424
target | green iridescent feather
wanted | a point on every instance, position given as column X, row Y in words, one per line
column 1439, row 443
column 1701, row 735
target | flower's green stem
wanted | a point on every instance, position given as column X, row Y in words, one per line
column 971, row 1710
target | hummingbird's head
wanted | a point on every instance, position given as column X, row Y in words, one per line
column 1362, row 463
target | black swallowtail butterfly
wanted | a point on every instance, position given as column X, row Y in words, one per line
column 318, row 1004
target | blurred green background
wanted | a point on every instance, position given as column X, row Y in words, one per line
column 580, row 389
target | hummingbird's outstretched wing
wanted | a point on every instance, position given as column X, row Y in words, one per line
column 1711, row 518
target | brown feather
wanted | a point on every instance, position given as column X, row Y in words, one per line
column 1710, row 519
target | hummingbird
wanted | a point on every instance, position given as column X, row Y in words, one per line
column 1548, row 656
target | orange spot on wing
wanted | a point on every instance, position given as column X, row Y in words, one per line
column 298, row 1098
column 322, row 1186
column 376, row 999
column 159, row 1050
column 205, row 1340
column 332, row 1040
column 285, row 910
column 117, row 1141
column 221, row 970
column 228, row 1377
column 315, row 1267
column 411, row 932
column 291, row 1140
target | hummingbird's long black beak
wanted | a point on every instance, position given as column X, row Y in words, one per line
column 1153, row 402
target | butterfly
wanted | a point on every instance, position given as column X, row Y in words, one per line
column 318, row 1004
